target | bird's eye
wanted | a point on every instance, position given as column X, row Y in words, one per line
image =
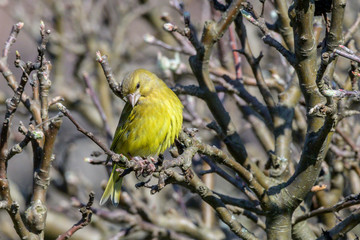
column 137, row 85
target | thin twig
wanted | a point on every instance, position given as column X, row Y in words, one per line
column 90, row 91
column 115, row 86
column 86, row 212
column 12, row 38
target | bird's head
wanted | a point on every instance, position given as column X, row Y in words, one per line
column 139, row 83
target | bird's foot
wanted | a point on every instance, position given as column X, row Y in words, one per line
column 144, row 167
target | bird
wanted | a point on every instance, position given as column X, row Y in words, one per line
column 150, row 122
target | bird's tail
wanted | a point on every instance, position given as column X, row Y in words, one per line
column 113, row 188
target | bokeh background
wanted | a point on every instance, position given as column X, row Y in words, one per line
column 119, row 29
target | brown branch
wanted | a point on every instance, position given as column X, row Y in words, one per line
column 285, row 198
column 56, row 100
column 178, row 35
column 170, row 226
column 250, row 81
column 16, row 149
column 239, row 211
column 343, row 227
column 235, row 86
column 283, row 23
column 90, row 135
column 199, row 63
column 86, row 212
column 347, row 55
column 261, row 130
column 115, row 86
column 44, row 88
column 12, row 38
column 252, row 206
column 249, row 13
column 43, row 156
column 222, row 158
column 333, row 40
column 42, row 175
column 196, row 185
column 235, row 182
column 11, row 106
column 349, row 201
column 283, row 130
column 342, row 153
column 185, row 163
column 319, row 131
column 10, row 78
column 255, row 67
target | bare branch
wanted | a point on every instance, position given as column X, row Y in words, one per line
column 349, row 201
column 115, row 86
column 12, row 38
column 90, row 91
column 86, row 212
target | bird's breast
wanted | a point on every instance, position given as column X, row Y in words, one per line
column 152, row 126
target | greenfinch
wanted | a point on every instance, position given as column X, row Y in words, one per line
column 148, row 125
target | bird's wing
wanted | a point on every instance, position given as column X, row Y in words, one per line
column 125, row 117
column 113, row 187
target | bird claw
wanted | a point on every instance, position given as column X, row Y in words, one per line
column 144, row 167
column 119, row 170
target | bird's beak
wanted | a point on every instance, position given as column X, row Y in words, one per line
column 133, row 98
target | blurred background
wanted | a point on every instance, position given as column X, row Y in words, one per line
column 125, row 31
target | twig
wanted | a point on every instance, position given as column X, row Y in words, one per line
column 120, row 159
column 56, row 100
column 347, row 139
column 195, row 184
column 185, row 45
column 11, row 105
column 222, row 158
column 97, row 162
column 86, row 212
column 90, row 91
column 246, row 80
column 254, row 62
column 248, row 12
column 238, row 88
column 20, row 146
column 343, row 227
column 90, row 135
column 45, row 34
column 115, row 86
column 347, row 55
column 235, row 182
column 44, row 88
column 188, row 90
column 169, row 226
column 240, row 211
column 12, row 38
column 150, row 39
column 349, row 201
column 236, row 55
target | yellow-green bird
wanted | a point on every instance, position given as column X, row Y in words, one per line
column 148, row 125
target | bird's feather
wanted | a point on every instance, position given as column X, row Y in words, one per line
column 148, row 128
